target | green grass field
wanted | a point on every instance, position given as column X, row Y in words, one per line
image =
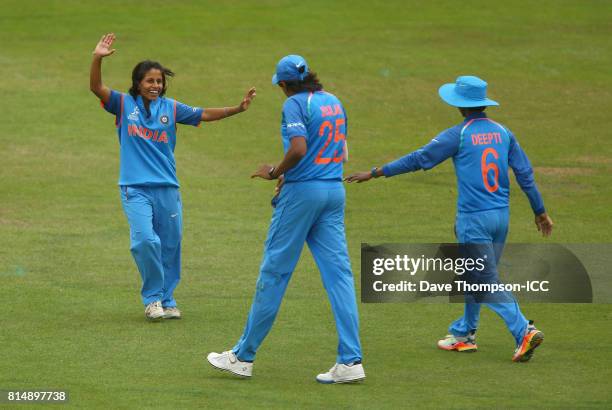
column 72, row 317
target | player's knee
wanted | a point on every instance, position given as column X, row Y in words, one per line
column 142, row 244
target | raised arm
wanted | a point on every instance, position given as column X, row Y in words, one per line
column 103, row 49
column 214, row 114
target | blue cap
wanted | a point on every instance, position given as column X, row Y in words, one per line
column 290, row 68
column 468, row 91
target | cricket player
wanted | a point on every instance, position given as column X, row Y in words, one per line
column 482, row 151
column 310, row 208
column 146, row 125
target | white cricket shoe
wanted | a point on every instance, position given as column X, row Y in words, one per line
column 342, row 373
column 154, row 311
column 172, row 313
column 228, row 362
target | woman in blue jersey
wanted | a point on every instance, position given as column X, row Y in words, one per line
column 310, row 208
column 146, row 125
column 482, row 152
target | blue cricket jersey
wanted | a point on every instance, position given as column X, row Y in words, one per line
column 321, row 119
column 147, row 139
column 482, row 151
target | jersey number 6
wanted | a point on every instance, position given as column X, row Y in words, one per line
column 485, row 168
column 337, row 135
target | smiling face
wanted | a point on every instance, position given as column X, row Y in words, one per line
column 151, row 85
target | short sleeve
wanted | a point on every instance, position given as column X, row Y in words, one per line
column 294, row 119
column 185, row 114
column 114, row 103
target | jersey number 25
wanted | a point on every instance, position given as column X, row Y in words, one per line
column 337, row 135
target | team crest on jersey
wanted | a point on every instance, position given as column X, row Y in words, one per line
column 164, row 119
column 134, row 115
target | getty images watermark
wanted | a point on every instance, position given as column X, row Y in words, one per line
column 561, row 273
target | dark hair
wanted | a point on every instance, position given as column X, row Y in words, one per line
column 475, row 109
column 466, row 111
column 309, row 83
column 141, row 69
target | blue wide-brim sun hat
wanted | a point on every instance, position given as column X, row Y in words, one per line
column 290, row 68
column 467, row 92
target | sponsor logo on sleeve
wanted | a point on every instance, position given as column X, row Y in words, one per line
column 295, row 125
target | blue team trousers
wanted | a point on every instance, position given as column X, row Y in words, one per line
column 155, row 216
column 484, row 233
column 311, row 212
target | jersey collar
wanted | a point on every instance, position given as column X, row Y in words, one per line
column 141, row 105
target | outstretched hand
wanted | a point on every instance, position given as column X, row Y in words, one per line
column 544, row 224
column 359, row 177
column 103, row 48
column 246, row 101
